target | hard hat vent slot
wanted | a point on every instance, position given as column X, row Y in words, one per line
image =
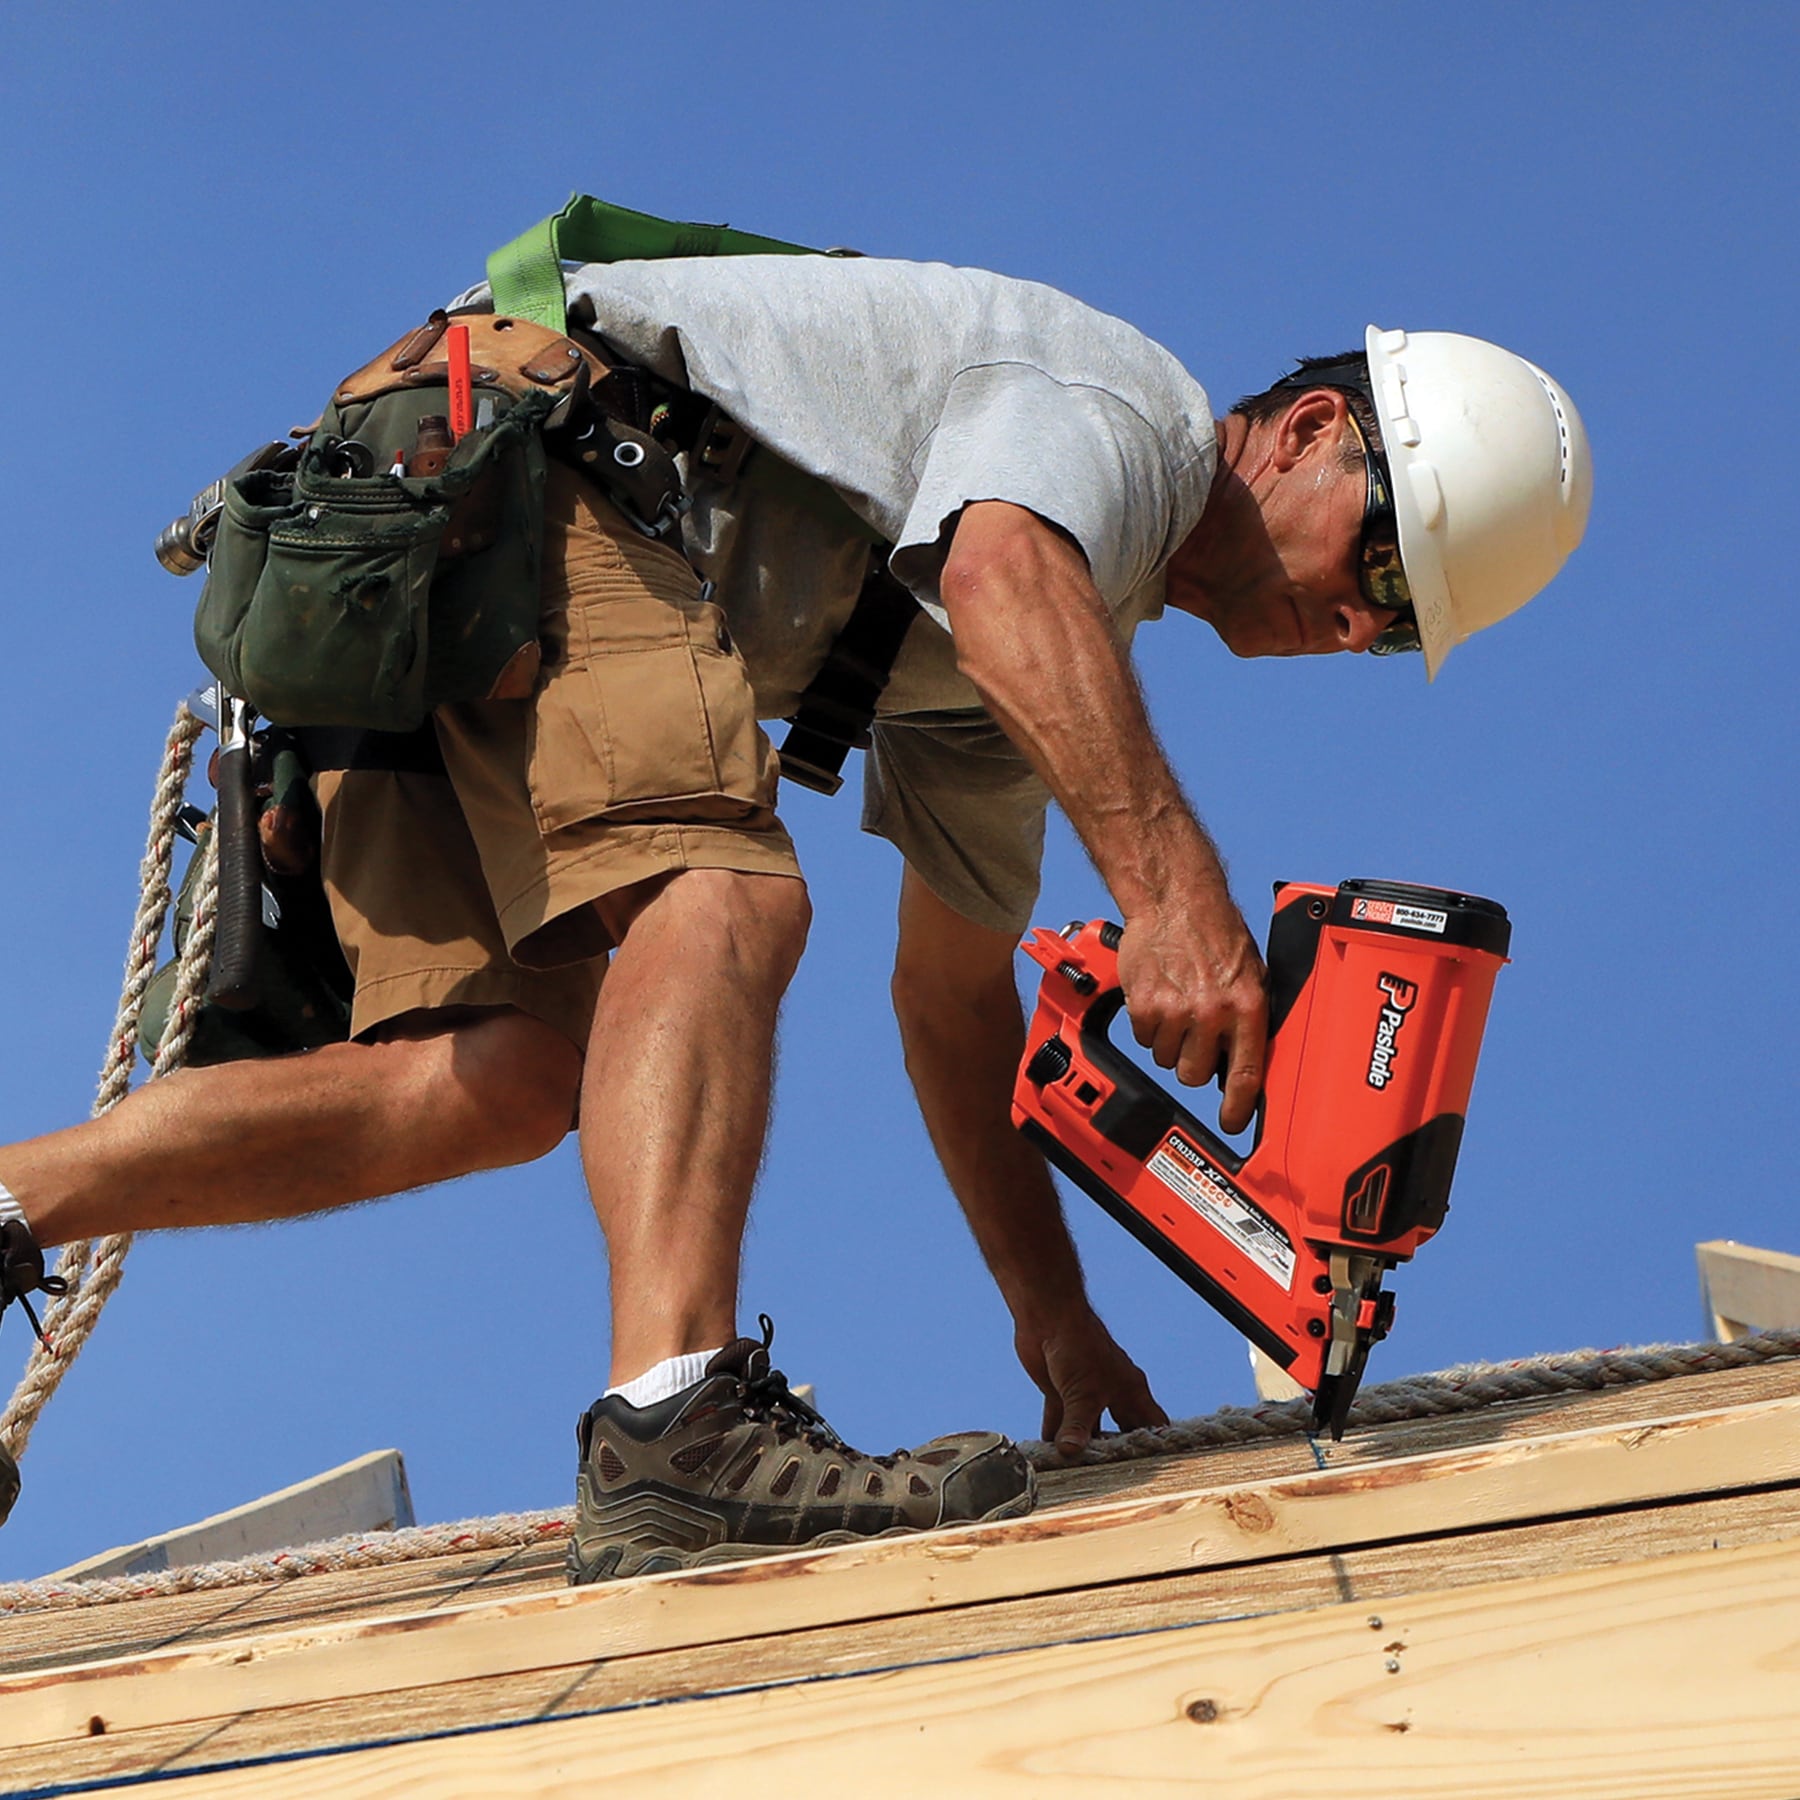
column 1562, row 428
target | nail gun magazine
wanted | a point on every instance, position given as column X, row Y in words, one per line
column 1378, row 995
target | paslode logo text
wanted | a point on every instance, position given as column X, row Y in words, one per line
column 1400, row 996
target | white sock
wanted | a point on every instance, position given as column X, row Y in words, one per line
column 9, row 1207
column 665, row 1380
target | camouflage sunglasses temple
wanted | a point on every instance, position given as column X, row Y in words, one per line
column 1379, row 572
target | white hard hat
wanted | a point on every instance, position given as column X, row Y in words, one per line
column 1490, row 473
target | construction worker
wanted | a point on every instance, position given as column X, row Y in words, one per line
column 594, row 898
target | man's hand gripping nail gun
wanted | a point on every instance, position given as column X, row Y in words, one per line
column 1378, row 994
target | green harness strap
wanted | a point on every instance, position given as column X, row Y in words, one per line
column 526, row 275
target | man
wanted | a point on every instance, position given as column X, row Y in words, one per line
column 1043, row 479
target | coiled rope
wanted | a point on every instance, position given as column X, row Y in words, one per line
column 1460, row 1389
column 92, row 1266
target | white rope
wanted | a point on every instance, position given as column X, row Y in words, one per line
column 508, row 1531
column 1460, row 1389
column 93, row 1266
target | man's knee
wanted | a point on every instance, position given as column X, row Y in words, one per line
column 503, row 1081
column 758, row 921
column 782, row 908
column 755, row 921
column 527, row 1075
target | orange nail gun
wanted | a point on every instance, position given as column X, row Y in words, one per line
column 1378, row 993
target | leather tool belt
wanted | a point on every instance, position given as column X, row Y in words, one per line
column 361, row 583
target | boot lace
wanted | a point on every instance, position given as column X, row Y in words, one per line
column 19, row 1277
column 768, row 1398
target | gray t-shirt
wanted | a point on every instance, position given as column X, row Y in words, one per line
column 884, row 397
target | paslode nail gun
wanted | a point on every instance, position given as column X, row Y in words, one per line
column 1378, row 993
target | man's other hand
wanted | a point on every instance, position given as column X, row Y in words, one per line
column 1082, row 1373
column 1195, row 991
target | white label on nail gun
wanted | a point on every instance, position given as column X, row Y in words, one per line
column 1231, row 1212
column 1393, row 912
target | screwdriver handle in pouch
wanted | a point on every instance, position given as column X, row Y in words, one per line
column 234, row 984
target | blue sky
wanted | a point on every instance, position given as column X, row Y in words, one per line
column 211, row 213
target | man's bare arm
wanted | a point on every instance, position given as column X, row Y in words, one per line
column 1034, row 636
column 963, row 1032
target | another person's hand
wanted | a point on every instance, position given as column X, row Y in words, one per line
column 1196, row 995
column 1083, row 1373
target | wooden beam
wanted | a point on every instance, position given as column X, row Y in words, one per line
column 130, row 1627
column 1424, row 1496
column 1674, row 1678
column 1745, row 1290
column 369, row 1494
column 1371, row 1578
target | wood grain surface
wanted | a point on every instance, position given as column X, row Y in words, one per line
column 1368, row 1577
column 1672, row 1680
column 131, row 1627
column 1422, row 1496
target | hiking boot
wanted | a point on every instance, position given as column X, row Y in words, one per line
column 21, row 1273
column 22, row 1270
column 737, row 1465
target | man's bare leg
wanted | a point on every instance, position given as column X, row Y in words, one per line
column 272, row 1139
column 675, row 1097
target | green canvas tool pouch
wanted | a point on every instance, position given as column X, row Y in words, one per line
column 345, row 592
column 338, row 597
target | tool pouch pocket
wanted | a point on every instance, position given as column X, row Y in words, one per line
column 338, row 595
column 647, row 712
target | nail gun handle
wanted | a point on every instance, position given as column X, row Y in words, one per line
column 234, row 983
column 1079, row 1001
column 1140, row 1111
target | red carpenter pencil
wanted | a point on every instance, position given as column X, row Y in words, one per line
column 462, row 394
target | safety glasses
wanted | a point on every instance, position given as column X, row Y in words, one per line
column 1379, row 573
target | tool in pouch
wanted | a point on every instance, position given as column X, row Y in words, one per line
column 1378, row 995
column 287, row 987
column 388, row 565
column 376, row 570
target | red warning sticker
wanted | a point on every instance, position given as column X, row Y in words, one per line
column 1180, row 1167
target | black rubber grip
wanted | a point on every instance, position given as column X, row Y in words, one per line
column 234, row 982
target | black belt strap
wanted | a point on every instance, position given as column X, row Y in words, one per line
column 838, row 707
column 344, row 747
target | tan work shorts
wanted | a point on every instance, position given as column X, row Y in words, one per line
column 638, row 755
